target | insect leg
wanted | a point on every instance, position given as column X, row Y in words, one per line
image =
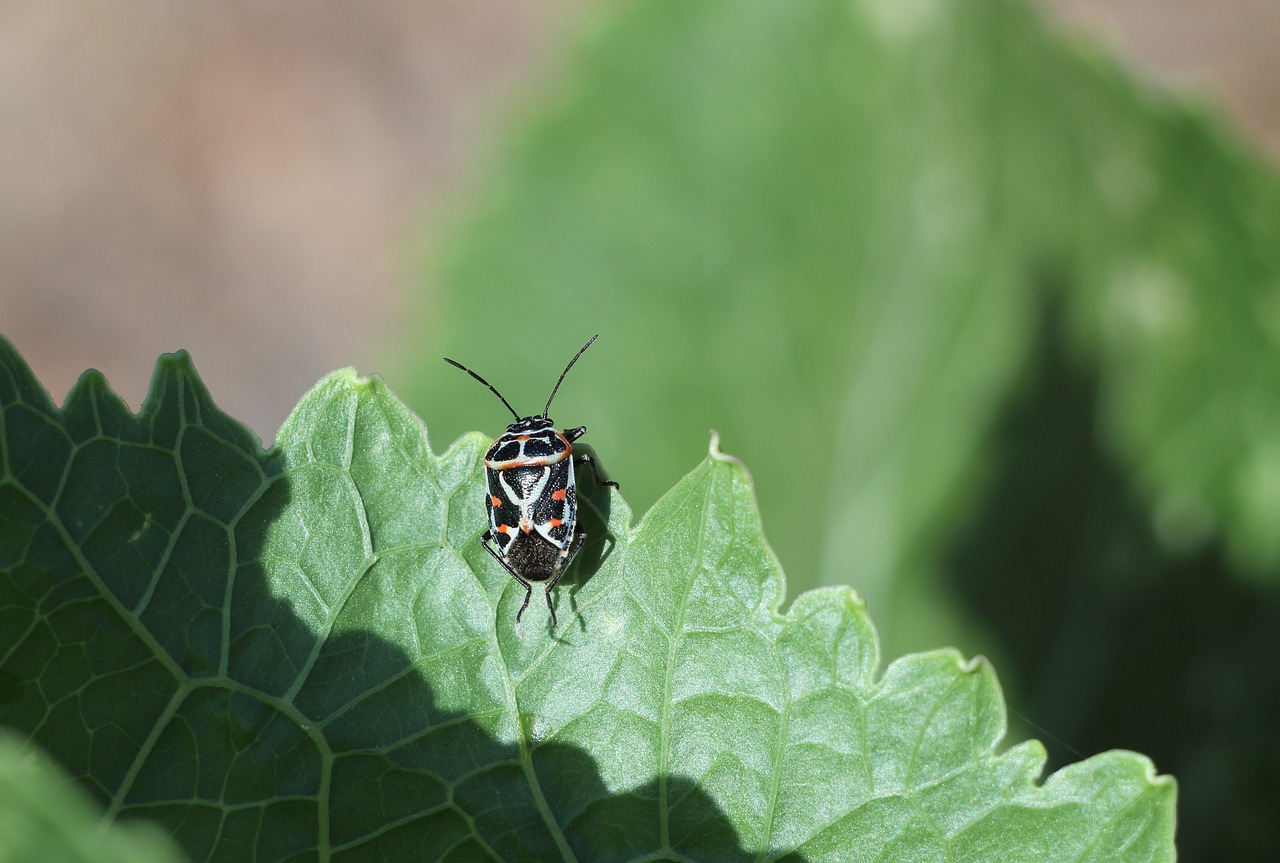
column 579, row 537
column 595, row 471
column 487, row 538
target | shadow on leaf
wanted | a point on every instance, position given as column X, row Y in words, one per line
column 150, row 655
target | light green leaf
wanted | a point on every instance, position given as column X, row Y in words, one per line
column 45, row 818
column 306, row 655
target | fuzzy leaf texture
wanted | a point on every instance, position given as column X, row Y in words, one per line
column 305, row 654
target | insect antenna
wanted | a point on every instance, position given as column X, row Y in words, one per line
column 547, row 409
column 491, row 387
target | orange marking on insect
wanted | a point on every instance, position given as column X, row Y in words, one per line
column 495, row 500
column 555, row 522
column 502, row 528
column 522, row 437
column 558, row 494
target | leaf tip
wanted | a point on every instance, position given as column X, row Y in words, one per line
column 352, row 378
column 1149, row 774
column 977, row 662
column 178, row 360
column 349, row 380
column 92, row 385
column 716, row 454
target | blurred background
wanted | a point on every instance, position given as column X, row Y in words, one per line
column 986, row 295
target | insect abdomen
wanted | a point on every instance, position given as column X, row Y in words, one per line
column 533, row 557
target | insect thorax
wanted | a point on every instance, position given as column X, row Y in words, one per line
column 531, row 442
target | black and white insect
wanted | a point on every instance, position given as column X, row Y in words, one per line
column 531, row 496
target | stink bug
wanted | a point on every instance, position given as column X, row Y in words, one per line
column 531, row 499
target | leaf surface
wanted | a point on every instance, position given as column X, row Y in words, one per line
column 305, row 654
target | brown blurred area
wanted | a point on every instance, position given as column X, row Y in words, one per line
column 249, row 181
column 253, row 181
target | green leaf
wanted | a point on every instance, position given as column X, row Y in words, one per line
column 43, row 817
column 307, row 655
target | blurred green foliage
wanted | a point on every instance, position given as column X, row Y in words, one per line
column 827, row 229
column 851, row 235
column 43, row 816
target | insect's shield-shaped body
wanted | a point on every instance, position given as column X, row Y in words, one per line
column 532, row 503
column 531, row 496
